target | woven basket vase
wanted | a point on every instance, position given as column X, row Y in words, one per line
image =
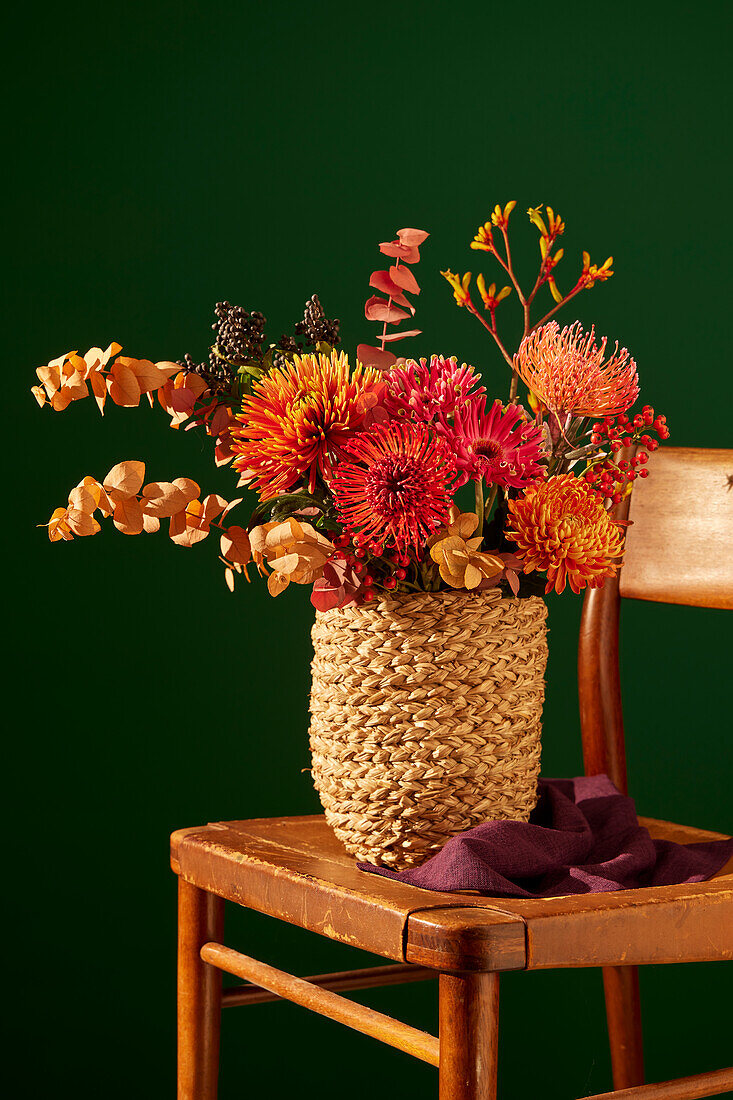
column 426, row 716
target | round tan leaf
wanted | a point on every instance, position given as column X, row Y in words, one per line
column 235, row 545
column 149, row 378
column 125, row 479
column 188, row 487
column 82, row 500
column 163, row 498
column 195, row 383
column 167, row 369
column 128, row 516
column 82, row 523
column 184, row 526
column 472, row 577
column 99, row 389
column 58, row 527
column 277, row 583
column 101, row 499
column 286, row 563
column 61, row 400
column 50, row 376
column 213, row 504
column 123, row 386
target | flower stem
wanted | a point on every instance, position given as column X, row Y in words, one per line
column 479, row 489
column 559, row 305
column 508, row 266
column 472, row 309
column 490, row 502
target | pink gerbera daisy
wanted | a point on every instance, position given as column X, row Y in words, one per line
column 430, row 392
column 394, row 488
column 498, row 444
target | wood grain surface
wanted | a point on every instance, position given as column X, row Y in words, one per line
column 679, row 547
column 296, row 870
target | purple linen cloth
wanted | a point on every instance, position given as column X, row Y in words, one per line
column 582, row 838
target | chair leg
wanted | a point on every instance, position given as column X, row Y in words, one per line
column 623, row 1013
column 469, row 1033
column 200, row 920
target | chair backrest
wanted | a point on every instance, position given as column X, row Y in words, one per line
column 679, row 549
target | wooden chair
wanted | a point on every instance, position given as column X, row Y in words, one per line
column 679, row 550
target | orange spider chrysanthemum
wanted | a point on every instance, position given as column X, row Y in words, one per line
column 297, row 420
column 568, row 371
column 562, row 528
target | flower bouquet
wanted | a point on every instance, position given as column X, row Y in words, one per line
column 426, row 516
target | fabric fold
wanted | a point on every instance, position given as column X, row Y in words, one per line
column 583, row 837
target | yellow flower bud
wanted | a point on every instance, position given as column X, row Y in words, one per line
column 536, row 219
column 460, row 286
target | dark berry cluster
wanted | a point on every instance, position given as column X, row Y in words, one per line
column 217, row 374
column 284, row 350
column 316, row 327
column 611, row 479
column 239, row 334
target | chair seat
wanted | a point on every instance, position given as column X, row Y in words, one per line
column 293, row 868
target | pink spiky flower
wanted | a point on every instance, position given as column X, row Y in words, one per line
column 394, row 487
column 568, row 372
column 498, row 444
column 430, row 392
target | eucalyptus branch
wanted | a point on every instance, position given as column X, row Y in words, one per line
column 383, row 337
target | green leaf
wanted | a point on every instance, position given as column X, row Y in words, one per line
column 282, row 506
column 250, row 368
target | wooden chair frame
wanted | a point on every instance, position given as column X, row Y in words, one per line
column 464, row 941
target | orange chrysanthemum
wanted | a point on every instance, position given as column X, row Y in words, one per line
column 297, row 420
column 568, row 372
column 562, row 528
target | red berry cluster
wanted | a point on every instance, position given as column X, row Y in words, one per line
column 383, row 572
column 611, row 479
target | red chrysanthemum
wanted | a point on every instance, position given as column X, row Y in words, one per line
column 498, row 444
column 298, row 419
column 561, row 528
column 430, row 392
column 394, row 488
column 568, row 372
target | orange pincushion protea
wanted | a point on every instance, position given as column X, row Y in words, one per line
column 298, row 418
column 562, row 528
column 568, row 372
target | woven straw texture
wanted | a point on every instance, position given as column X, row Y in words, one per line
column 426, row 716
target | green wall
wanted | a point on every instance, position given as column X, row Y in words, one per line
column 162, row 157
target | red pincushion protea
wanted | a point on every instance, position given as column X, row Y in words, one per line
column 568, row 372
column 432, row 391
column 562, row 528
column 298, row 418
column 497, row 444
column 394, row 488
